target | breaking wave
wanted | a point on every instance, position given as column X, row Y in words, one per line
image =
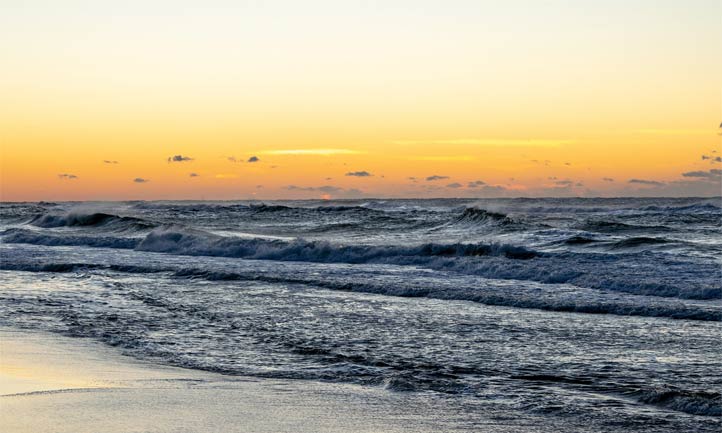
column 22, row 236
column 95, row 219
column 602, row 226
column 189, row 242
column 640, row 273
column 549, row 299
column 692, row 402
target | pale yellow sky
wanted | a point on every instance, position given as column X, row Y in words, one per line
column 532, row 98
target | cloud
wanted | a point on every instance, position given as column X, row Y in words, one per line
column 674, row 131
column 194, row 175
column 300, row 188
column 232, row 159
column 436, row 177
column 253, row 159
column 476, row 184
column 67, row 176
column 683, row 188
column 608, row 179
column 454, row 185
column 321, row 152
column 359, row 173
column 503, row 142
column 713, row 174
column 443, row 158
column 646, row 182
column 565, row 182
column 712, row 158
column 140, row 180
column 108, row 161
column 179, row 158
column 325, row 188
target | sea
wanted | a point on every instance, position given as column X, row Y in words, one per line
column 550, row 314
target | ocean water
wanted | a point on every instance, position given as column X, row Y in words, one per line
column 546, row 314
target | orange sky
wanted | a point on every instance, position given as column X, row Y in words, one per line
column 531, row 100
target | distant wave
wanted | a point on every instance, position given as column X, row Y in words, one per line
column 264, row 208
column 603, row 226
column 474, row 218
column 93, row 219
column 639, row 241
column 477, row 215
column 627, row 243
column 693, row 208
column 579, row 240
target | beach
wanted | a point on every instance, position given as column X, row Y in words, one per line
column 51, row 383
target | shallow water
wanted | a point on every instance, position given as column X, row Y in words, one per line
column 595, row 314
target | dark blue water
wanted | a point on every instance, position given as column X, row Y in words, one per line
column 572, row 314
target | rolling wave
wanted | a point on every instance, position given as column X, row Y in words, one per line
column 488, row 293
column 636, row 272
column 94, row 219
column 692, row 402
column 477, row 215
column 604, row 226
column 22, row 236
column 705, row 207
column 190, row 242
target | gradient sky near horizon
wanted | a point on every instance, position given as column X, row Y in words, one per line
column 344, row 99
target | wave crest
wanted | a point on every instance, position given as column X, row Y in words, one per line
column 692, row 402
column 94, row 219
column 188, row 242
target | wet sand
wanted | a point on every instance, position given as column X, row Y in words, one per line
column 51, row 383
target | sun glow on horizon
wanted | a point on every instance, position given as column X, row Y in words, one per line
column 286, row 100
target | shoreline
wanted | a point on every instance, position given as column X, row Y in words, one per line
column 53, row 383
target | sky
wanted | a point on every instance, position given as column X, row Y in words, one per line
column 277, row 99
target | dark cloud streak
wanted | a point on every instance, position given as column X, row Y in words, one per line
column 436, row 177
column 179, row 158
